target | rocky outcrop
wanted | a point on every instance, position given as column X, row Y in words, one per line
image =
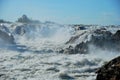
column 110, row 71
column 100, row 38
column 25, row 19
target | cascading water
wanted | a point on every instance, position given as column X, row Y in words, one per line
column 42, row 36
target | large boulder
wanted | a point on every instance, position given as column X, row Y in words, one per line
column 110, row 71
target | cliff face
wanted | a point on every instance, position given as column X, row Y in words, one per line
column 110, row 71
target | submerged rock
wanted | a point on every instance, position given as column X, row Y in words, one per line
column 65, row 76
column 110, row 71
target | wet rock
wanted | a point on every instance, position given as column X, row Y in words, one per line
column 65, row 76
column 110, row 71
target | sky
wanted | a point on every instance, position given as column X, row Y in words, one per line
column 63, row 11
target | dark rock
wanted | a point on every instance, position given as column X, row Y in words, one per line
column 110, row 71
column 65, row 76
column 61, row 51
